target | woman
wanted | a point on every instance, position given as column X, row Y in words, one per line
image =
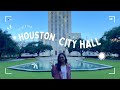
column 61, row 70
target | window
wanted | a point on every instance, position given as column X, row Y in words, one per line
column 55, row 16
column 63, row 30
column 51, row 12
column 52, row 28
column 59, row 19
column 55, row 52
column 56, row 32
column 67, row 28
column 59, row 33
column 55, row 20
column 51, row 21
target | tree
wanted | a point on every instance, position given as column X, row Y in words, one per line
column 21, row 50
column 11, row 47
column 37, row 47
column 70, row 49
column 3, row 40
column 96, row 48
column 48, row 47
column 31, row 47
column 40, row 47
column 7, row 45
column 110, row 41
column 77, row 47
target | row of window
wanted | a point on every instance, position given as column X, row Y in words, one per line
column 60, row 20
column 60, row 12
column 54, row 16
column 60, row 34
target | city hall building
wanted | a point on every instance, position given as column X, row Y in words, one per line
column 59, row 23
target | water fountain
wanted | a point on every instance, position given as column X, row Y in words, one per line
column 44, row 65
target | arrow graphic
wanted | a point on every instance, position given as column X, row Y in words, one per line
column 113, row 72
column 34, row 65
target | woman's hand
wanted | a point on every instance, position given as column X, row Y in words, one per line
column 52, row 62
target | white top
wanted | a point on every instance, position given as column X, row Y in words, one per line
column 64, row 72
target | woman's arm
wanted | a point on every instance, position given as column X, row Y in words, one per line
column 53, row 68
column 69, row 71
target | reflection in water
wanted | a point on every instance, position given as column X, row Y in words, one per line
column 44, row 65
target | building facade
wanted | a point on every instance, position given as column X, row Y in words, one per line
column 59, row 23
column 74, row 36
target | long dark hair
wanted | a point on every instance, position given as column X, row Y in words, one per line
column 59, row 63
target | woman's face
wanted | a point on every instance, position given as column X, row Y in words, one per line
column 62, row 58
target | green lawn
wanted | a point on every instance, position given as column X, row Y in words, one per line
column 100, row 74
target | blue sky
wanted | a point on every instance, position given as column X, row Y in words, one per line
column 91, row 24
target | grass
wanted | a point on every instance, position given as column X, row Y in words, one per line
column 99, row 74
